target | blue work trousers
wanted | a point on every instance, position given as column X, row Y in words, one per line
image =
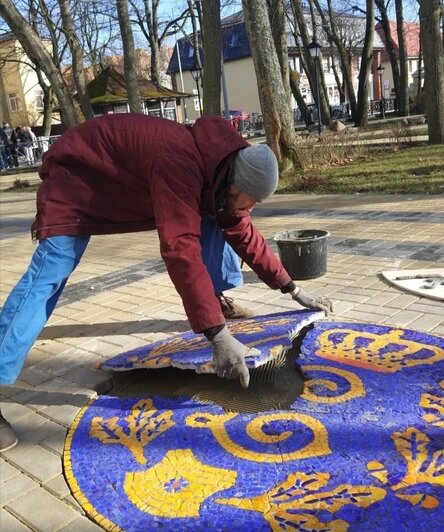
column 31, row 302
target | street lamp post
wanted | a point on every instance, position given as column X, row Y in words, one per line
column 196, row 72
column 380, row 71
column 315, row 51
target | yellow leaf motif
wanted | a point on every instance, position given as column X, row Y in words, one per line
column 412, row 445
column 293, row 504
column 378, row 471
column 135, row 431
column 304, row 523
column 436, row 404
column 425, row 501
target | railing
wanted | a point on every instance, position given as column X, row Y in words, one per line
column 18, row 155
column 340, row 111
column 390, row 105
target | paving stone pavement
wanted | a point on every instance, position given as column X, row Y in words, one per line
column 120, row 297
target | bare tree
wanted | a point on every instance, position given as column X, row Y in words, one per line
column 278, row 120
column 331, row 25
column 309, row 65
column 155, row 30
column 361, row 118
column 211, row 81
column 430, row 14
column 39, row 55
column 48, row 93
column 97, row 31
column 148, row 21
column 276, row 12
column 295, row 76
column 77, row 59
column 404, row 81
column 196, row 24
column 129, row 57
column 389, row 44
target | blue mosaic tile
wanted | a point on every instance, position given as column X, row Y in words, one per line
column 361, row 449
column 270, row 334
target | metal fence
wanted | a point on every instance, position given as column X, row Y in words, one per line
column 19, row 155
column 340, row 111
column 390, row 105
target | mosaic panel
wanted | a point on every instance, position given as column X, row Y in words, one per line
column 361, row 449
column 270, row 334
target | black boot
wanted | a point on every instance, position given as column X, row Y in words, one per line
column 8, row 438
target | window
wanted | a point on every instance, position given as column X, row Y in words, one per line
column 38, row 99
column 191, row 51
column 14, row 101
column 197, row 104
column 234, row 40
column 326, row 65
column 120, row 108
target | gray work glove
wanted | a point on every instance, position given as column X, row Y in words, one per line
column 228, row 356
column 318, row 302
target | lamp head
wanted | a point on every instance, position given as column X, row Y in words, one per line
column 315, row 49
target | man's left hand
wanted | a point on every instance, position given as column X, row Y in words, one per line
column 317, row 302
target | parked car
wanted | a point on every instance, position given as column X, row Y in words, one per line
column 241, row 114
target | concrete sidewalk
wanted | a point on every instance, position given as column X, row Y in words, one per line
column 120, row 297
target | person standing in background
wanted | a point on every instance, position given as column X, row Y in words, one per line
column 27, row 143
column 9, row 160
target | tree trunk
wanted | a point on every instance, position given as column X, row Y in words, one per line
column 154, row 42
column 47, row 104
column 419, row 86
column 129, row 57
column 324, row 104
column 389, row 46
column 148, row 22
column 77, row 59
column 430, row 13
column 38, row 54
column 404, row 81
column 302, row 104
column 310, row 65
column 211, row 79
column 333, row 35
column 366, row 63
column 339, row 82
column 276, row 14
column 278, row 120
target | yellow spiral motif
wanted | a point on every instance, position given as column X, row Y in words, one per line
column 216, row 423
column 356, row 386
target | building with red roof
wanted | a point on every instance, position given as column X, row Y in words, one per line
column 411, row 30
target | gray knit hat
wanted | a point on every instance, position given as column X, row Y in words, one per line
column 256, row 172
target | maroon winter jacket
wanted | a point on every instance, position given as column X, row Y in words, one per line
column 130, row 172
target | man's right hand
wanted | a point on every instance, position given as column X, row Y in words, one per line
column 228, row 356
column 317, row 302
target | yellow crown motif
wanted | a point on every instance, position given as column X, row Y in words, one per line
column 386, row 353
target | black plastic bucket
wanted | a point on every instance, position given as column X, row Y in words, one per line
column 303, row 253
